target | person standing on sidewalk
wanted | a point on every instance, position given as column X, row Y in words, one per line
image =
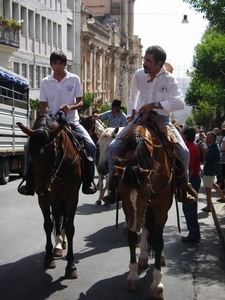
column 210, row 168
column 190, row 210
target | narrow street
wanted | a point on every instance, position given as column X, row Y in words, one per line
column 192, row 272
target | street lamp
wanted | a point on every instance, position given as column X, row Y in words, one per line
column 90, row 19
column 185, row 20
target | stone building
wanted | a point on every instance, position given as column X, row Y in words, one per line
column 110, row 52
column 104, row 54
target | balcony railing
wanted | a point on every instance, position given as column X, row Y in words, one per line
column 9, row 36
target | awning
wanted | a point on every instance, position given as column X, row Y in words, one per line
column 11, row 76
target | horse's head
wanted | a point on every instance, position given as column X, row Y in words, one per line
column 43, row 153
column 135, row 168
column 105, row 139
column 88, row 123
column 135, row 197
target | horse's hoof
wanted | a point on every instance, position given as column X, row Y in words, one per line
column 49, row 264
column 71, row 274
column 98, row 202
column 156, row 294
column 64, row 245
column 133, row 286
column 143, row 263
column 57, row 252
column 107, row 204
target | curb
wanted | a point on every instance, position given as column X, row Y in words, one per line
column 218, row 213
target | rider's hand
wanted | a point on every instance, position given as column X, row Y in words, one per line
column 129, row 119
column 65, row 108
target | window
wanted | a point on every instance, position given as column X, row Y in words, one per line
column 70, row 38
column 37, row 26
column 24, row 17
column 59, row 36
column 49, row 31
column 88, row 70
column 54, row 33
column 16, row 68
column 24, row 70
column 43, row 29
column 107, row 73
column 31, row 76
column 31, row 23
column 98, row 71
column 37, row 76
column 43, row 72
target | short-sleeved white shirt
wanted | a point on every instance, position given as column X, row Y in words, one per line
column 56, row 93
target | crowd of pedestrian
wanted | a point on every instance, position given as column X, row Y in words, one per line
column 206, row 165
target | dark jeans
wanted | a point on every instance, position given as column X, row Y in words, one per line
column 190, row 212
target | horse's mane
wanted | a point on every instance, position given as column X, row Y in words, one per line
column 40, row 136
column 141, row 159
column 99, row 128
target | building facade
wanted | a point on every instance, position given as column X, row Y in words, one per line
column 110, row 52
column 104, row 54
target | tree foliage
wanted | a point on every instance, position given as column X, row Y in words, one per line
column 88, row 100
column 206, row 90
column 213, row 11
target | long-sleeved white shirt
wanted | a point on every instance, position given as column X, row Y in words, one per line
column 164, row 89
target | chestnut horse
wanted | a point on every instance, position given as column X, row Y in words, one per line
column 145, row 185
column 57, row 176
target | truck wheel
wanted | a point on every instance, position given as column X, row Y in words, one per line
column 4, row 170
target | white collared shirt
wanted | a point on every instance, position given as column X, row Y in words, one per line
column 56, row 93
column 164, row 89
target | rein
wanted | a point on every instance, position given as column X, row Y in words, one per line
column 54, row 176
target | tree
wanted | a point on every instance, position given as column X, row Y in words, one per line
column 88, row 100
column 208, row 78
column 213, row 11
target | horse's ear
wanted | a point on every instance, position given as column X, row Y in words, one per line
column 146, row 172
column 25, row 129
column 119, row 170
column 53, row 133
column 115, row 131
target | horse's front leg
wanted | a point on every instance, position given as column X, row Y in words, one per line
column 157, row 288
column 133, row 281
column 144, row 249
column 49, row 261
column 59, row 232
column 71, row 270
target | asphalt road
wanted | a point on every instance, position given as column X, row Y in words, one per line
column 192, row 271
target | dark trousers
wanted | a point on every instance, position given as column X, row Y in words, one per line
column 190, row 212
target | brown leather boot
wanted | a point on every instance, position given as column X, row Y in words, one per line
column 112, row 197
column 26, row 189
column 183, row 194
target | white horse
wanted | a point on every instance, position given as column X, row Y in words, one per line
column 102, row 167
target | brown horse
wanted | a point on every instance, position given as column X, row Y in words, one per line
column 93, row 127
column 57, row 176
column 145, row 185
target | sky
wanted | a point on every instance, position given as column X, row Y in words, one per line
column 158, row 22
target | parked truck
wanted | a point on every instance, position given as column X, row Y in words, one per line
column 14, row 107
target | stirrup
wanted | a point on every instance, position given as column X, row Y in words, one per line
column 24, row 189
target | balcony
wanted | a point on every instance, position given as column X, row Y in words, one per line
column 9, row 36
